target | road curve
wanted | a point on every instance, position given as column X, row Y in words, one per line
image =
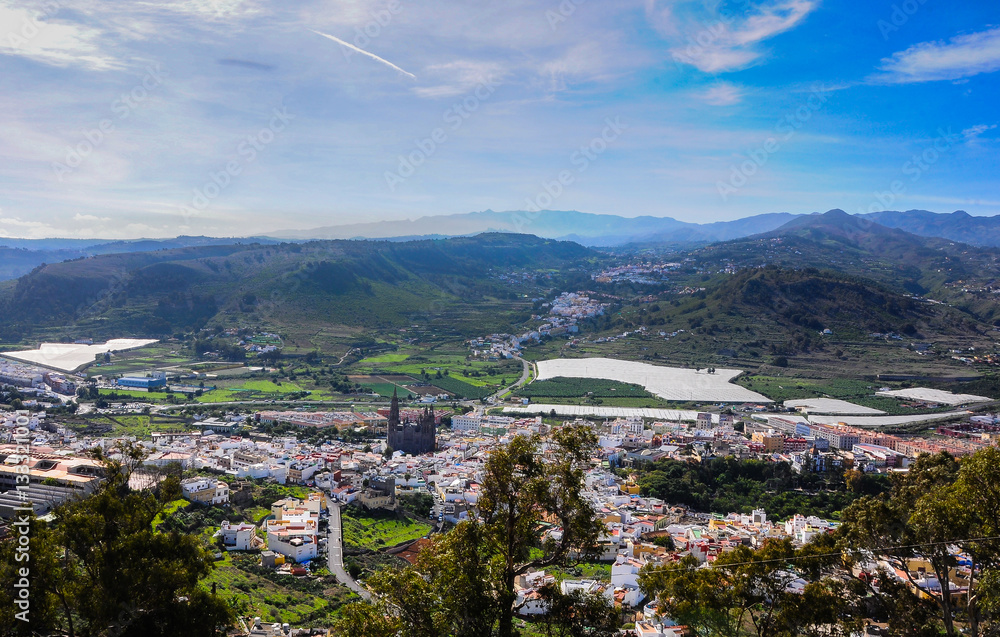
column 526, row 367
column 335, row 546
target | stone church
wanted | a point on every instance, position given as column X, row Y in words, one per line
column 413, row 438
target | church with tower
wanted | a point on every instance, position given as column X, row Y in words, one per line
column 409, row 437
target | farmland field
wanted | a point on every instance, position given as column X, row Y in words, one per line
column 384, row 358
column 250, row 390
column 669, row 383
column 462, row 388
column 575, row 387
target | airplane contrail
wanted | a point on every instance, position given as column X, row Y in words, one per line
column 363, row 52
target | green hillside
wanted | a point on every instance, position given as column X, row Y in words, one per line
column 857, row 246
column 366, row 284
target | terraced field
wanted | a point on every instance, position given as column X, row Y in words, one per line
column 379, row 529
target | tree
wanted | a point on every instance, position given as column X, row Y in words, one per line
column 918, row 519
column 578, row 614
column 755, row 589
column 977, row 490
column 103, row 569
column 463, row 584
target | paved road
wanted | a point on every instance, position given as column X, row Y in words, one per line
column 335, row 546
column 525, row 372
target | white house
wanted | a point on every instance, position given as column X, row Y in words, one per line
column 238, row 537
column 205, row 491
column 299, row 548
column 625, row 572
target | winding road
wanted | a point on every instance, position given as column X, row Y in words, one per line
column 525, row 373
column 335, row 557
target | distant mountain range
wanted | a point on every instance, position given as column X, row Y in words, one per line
column 20, row 256
column 596, row 230
column 593, row 230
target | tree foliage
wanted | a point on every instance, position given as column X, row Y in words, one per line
column 532, row 514
column 102, row 569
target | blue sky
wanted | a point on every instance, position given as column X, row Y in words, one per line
column 233, row 117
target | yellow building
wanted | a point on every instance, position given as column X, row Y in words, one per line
column 772, row 442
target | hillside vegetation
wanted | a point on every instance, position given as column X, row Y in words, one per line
column 358, row 283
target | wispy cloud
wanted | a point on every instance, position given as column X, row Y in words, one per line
column 14, row 227
column 721, row 94
column 363, row 52
column 90, row 218
column 721, row 44
column 961, row 56
column 37, row 35
column 458, row 78
column 973, row 133
column 210, row 9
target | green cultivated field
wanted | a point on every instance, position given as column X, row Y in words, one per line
column 464, row 389
column 379, row 529
column 384, row 358
column 577, row 387
column 383, row 389
column 250, row 390
column 860, row 392
column 140, row 426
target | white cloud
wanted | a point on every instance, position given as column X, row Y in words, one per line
column 973, row 133
column 38, row 35
column 14, row 227
column 721, row 44
column 721, row 94
column 211, row 8
column 960, row 57
column 90, row 218
column 458, row 78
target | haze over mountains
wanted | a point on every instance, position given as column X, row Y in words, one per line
column 20, row 256
column 598, row 230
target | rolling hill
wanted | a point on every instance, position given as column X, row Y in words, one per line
column 957, row 226
column 858, row 246
column 757, row 314
column 354, row 283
